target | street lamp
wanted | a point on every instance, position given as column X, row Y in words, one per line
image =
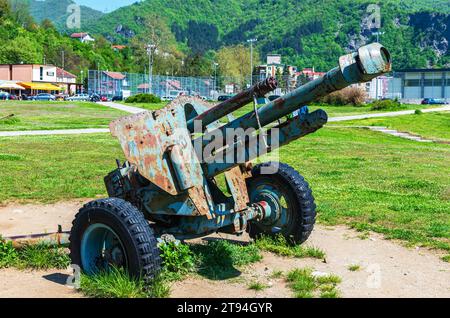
column 150, row 49
column 378, row 34
column 215, row 76
column 251, row 41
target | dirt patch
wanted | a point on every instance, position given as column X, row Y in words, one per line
column 387, row 269
column 34, row 284
column 16, row 219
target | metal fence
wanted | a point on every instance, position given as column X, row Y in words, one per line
column 112, row 84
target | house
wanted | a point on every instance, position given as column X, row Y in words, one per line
column 286, row 74
column 67, row 81
column 83, row 37
column 310, row 74
column 118, row 47
column 111, row 84
column 35, row 78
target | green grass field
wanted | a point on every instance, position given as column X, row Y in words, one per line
column 369, row 180
column 432, row 125
column 55, row 115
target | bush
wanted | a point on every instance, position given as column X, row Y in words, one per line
column 143, row 98
column 348, row 96
column 386, row 105
column 8, row 255
column 418, row 112
column 178, row 259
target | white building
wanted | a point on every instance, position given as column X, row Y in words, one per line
column 83, row 37
column 417, row 84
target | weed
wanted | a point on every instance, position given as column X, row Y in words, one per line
column 280, row 246
column 277, row 274
column 42, row 256
column 305, row 285
column 354, row 268
column 418, row 112
column 115, row 283
column 257, row 286
column 8, row 255
column 178, row 259
column 446, row 258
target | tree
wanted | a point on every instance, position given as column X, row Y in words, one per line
column 166, row 56
column 234, row 61
column 5, row 9
column 20, row 50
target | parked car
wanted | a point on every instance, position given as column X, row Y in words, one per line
column 78, row 98
column 5, row 96
column 434, row 101
column 118, row 98
column 103, row 98
column 61, row 97
column 223, row 98
column 95, row 98
column 44, row 97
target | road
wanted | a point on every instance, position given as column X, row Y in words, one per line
column 136, row 110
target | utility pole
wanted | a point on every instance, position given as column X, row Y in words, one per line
column 251, row 41
column 215, row 76
column 99, row 79
column 150, row 49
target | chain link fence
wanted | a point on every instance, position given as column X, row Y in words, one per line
column 123, row 84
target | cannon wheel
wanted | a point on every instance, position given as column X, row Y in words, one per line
column 292, row 199
column 113, row 233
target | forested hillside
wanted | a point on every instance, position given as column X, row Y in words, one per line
column 306, row 32
column 25, row 41
column 192, row 34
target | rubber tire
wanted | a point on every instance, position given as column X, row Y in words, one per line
column 129, row 224
column 303, row 203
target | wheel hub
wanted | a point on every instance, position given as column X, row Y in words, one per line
column 274, row 204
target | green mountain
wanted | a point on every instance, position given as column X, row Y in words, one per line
column 56, row 11
column 305, row 32
column 24, row 41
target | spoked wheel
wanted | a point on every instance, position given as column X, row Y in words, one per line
column 112, row 233
column 293, row 210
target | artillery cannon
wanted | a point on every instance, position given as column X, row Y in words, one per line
column 170, row 183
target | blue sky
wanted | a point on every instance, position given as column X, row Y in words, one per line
column 105, row 5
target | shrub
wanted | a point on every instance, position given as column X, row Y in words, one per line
column 386, row 105
column 8, row 255
column 143, row 98
column 348, row 96
column 178, row 259
column 418, row 112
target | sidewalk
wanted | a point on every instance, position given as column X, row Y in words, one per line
column 390, row 114
column 136, row 110
column 54, row 132
column 125, row 108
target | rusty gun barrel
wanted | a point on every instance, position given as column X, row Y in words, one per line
column 227, row 107
column 368, row 63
